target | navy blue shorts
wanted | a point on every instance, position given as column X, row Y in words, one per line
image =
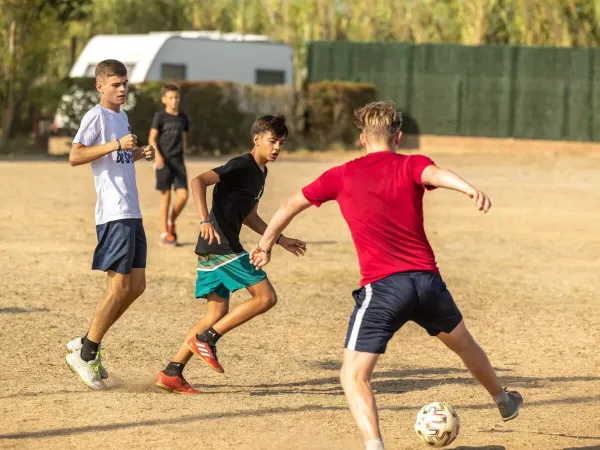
column 121, row 246
column 384, row 306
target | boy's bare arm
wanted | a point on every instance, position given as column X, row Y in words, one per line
column 444, row 178
column 185, row 141
column 261, row 255
column 153, row 141
column 198, row 186
column 254, row 222
column 80, row 154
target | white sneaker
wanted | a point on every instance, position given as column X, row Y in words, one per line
column 89, row 372
column 75, row 345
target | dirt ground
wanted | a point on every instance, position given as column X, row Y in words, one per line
column 526, row 277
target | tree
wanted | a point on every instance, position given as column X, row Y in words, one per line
column 31, row 32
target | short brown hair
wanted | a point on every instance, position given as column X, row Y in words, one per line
column 275, row 124
column 378, row 119
column 110, row 68
column 168, row 88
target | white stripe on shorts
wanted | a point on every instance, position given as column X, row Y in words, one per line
column 359, row 317
column 222, row 265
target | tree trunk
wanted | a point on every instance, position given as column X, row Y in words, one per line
column 8, row 112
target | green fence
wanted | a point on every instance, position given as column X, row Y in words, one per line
column 495, row 91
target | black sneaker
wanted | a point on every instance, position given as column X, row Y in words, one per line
column 510, row 409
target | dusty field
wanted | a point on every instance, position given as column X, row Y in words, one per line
column 526, row 277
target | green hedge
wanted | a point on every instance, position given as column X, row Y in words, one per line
column 331, row 108
column 222, row 113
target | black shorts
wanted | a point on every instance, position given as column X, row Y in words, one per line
column 121, row 246
column 172, row 174
column 384, row 306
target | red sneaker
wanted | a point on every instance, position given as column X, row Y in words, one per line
column 207, row 352
column 168, row 240
column 177, row 385
column 171, row 230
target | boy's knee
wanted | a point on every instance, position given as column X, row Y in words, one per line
column 350, row 375
column 343, row 377
column 268, row 300
column 120, row 293
column 138, row 290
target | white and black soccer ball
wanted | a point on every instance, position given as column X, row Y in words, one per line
column 437, row 424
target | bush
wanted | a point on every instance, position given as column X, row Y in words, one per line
column 330, row 111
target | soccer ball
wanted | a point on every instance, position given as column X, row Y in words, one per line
column 437, row 424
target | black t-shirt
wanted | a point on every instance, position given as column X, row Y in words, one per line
column 241, row 184
column 170, row 132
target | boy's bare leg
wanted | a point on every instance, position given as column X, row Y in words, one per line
column 85, row 360
column 462, row 343
column 217, row 308
column 108, row 307
column 355, row 376
column 263, row 298
column 138, row 286
column 165, row 201
column 180, row 201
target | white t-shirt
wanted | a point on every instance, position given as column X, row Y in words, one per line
column 114, row 174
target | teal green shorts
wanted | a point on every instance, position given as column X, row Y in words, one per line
column 224, row 274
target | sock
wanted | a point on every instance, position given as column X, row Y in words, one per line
column 210, row 336
column 502, row 397
column 89, row 350
column 374, row 444
column 174, row 369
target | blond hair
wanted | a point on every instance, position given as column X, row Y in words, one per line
column 379, row 120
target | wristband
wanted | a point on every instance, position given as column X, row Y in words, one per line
column 280, row 236
column 264, row 251
column 118, row 145
column 206, row 221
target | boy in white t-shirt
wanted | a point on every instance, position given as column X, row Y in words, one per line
column 105, row 140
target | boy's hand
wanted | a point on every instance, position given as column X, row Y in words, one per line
column 128, row 142
column 295, row 246
column 208, row 233
column 148, row 152
column 259, row 258
column 482, row 201
column 159, row 161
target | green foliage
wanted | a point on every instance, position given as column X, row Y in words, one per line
column 220, row 114
column 331, row 108
column 38, row 55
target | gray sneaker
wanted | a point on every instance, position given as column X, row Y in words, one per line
column 75, row 344
column 510, row 409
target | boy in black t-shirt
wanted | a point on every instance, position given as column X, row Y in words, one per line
column 223, row 264
column 168, row 135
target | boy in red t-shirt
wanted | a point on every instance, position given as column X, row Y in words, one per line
column 381, row 197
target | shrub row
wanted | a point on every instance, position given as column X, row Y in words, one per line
column 222, row 113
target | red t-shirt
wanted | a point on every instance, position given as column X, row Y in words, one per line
column 381, row 198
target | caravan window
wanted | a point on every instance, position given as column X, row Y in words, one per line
column 270, row 77
column 173, row 71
